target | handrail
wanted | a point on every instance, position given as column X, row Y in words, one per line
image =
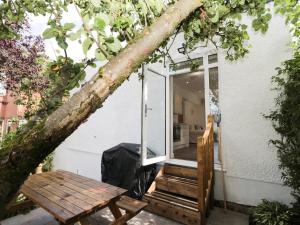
column 205, row 170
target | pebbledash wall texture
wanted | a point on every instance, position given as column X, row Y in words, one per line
column 245, row 94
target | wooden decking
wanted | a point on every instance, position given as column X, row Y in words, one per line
column 182, row 193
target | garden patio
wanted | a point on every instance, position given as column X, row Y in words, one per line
column 40, row 217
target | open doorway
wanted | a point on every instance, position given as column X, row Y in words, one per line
column 188, row 114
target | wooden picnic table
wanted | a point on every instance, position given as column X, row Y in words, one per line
column 70, row 198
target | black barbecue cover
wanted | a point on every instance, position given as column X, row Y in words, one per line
column 121, row 166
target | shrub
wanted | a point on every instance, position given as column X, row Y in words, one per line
column 272, row 213
column 286, row 122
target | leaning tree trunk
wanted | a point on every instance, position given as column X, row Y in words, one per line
column 32, row 146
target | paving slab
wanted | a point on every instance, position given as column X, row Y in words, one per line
column 219, row 216
column 104, row 217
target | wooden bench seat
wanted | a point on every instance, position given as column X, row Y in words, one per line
column 130, row 205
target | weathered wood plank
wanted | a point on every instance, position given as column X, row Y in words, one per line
column 65, row 191
column 201, row 174
column 181, row 179
column 153, row 185
column 100, row 197
column 173, row 211
column 180, row 171
column 63, row 195
column 175, row 198
column 177, row 187
column 87, row 181
column 131, row 205
column 117, row 214
column 109, row 191
column 69, row 197
column 58, row 212
column 55, row 199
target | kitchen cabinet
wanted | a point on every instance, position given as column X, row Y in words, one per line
column 178, row 104
column 184, row 137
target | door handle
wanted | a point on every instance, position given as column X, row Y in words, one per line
column 146, row 109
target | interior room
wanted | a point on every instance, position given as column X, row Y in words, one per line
column 188, row 114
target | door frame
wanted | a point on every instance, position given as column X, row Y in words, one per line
column 169, row 157
column 205, row 67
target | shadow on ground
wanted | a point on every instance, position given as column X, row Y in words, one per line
column 104, row 217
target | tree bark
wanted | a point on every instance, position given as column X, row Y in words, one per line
column 33, row 145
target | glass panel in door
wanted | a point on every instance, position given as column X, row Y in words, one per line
column 154, row 117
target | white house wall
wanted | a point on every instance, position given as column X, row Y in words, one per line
column 245, row 94
column 250, row 162
column 118, row 121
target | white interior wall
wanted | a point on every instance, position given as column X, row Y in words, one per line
column 192, row 114
column 194, row 110
column 185, row 93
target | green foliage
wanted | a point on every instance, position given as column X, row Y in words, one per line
column 286, row 122
column 272, row 213
column 64, row 75
column 8, row 138
column 291, row 10
column 13, row 15
column 60, row 77
column 218, row 21
column 48, row 163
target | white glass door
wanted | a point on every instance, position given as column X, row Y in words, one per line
column 154, row 117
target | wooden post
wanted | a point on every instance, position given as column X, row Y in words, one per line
column 115, row 211
column 212, row 167
column 222, row 168
column 201, row 178
column 205, row 171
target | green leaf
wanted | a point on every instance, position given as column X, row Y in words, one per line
column 61, row 41
column 68, row 26
column 86, row 45
column 99, row 23
column 109, row 39
column 76, row 35
column 223, row 10
column 96, row 3
column 114, row 46
column 216, row 18
column 104, row 17
column 99, row 55
column 50, row 33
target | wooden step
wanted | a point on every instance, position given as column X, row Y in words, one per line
column 173, row 207
column 177, row 185
column 175, row 198
column 180, row 171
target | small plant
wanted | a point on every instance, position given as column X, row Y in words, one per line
column 48, row 163
column 272, row 213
